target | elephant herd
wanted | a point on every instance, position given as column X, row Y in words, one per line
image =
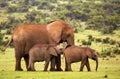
column 41, row 42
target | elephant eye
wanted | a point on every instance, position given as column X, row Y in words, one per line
column 60, row 49
column 95, row 55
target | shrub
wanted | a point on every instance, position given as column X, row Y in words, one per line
column 44, row 5
column 35, row 3
column 98, row 39
column 78, row 40
column 1, row 36
column 31, row 16
column 3, row 4
column 8, row 31
column 6, row 37
column 23, row 9
column 118, row 43
column 86, row 42
column 106, row 52
column 12, row 9
column 112, row 42
column 106, row 40
column 90, row 38
column 116, row 50
column 110, row 52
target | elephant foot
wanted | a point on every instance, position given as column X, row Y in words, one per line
column 31, row 70
column 28, row 69
column 60, row 69
column 89, row 70
column 52, row 69
column 19, row 69
column 45, row 70
column 68, row 70
column 81, row 70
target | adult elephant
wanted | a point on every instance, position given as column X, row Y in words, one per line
column 27, row 35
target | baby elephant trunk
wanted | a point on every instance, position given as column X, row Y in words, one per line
column 96, row 64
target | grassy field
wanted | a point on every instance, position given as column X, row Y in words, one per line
column 108, row 68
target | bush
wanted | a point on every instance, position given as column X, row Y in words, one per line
column 3, row 4
column 6, row 37
column 106, row 52
column 110, row 52
column 118, row 43
column 12, row 9
column 116, row 50
column 106, row 30
column 86, row 42
column 90, row 38
column 112, row 42
column 23, row 9
column 35, row 3
column 9, row 31
column 106, row 40
column 31, row 16
column 1, row 37
column 44, row 5
column 98, row 39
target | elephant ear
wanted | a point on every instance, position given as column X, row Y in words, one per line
column 55, row 30
column 90, row 52
column 52, row 51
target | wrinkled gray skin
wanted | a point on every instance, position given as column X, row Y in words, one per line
column 76, row 53
column 44, row 52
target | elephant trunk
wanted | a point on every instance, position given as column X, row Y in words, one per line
column 96, row 64
column 70, row 41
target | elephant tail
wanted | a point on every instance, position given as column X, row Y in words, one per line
column 8, row 44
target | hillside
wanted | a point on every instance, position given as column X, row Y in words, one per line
column 103, row 15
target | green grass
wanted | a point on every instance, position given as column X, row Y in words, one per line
column 107, row 66
column 58, row 75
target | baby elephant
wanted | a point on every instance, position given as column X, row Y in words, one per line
column 44, row 52
column 76, row 53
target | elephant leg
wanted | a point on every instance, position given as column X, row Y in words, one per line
column 32, row 66
column 18, row 64
column 19, row 53
column 52, row 64
column 66, row 65
column 83, row 62
column 58, row 63
column 26, row 58
column 88, row 65
column 29, row 67
column 46, row 65
column 69, row 67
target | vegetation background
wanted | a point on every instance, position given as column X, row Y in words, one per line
column 96, row 24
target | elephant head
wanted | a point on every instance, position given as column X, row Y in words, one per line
column 60, row 31
column 93, row 55
column 59, row 49
column 56, row 50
